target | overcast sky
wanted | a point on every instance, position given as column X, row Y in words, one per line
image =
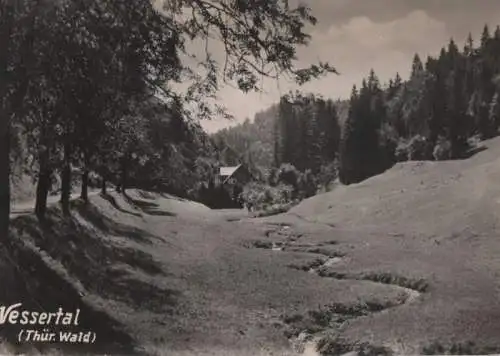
column 357, row 35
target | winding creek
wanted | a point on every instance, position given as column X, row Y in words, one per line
column 307, row 343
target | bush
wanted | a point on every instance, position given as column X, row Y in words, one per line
column 272, row 176
column 259, row 196
column 402, row 150
column 275, row 209
column 288, row 175
column 308, row 184
column 328, row 174
column 418, row 148
column 303, row 184
column 442, row 149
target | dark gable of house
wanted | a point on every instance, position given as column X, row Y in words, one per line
column 242, row 175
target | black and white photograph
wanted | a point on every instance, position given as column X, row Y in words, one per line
column 250, row 177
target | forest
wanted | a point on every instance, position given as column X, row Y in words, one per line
column 88, row 103
column 89, row 97
column 447, row 105
column 101, row 138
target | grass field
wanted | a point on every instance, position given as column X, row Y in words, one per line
column 405, row 262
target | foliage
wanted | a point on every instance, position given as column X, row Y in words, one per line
column 361, row 154
column 307, row 184
column 260, row 196
column 286, row 186
column 306, row 131
column 419, row 148
column 254, row 46
column 442, row 150
column 81, row 77
column 416, row 148
column 289, row 175
column 327, row 175
column 432, row 115
column 250, row 143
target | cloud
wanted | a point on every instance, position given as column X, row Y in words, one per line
column 361, row 38
column 353, row 47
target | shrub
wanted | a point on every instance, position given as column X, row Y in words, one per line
column 259, row 196
column 308, row 184
column 418, row 148
column 288, row 175
column 402, row 150
column 327, row 175
column 272, row 176
column 442, row 149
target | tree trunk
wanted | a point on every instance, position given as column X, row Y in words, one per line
column 85, row 185
column 5, row 41
column 42, row 193
column 4, row 176
column 42, row 188
column 10, row 9
column 103, row 186
column 85, row 178
column 66, row 181
column 123, row 175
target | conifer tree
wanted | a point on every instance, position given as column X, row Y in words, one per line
column 485, row 37
column 456, row 98
column 51, row 42
column 347, row 143
column 417, row 67
column 469, row 46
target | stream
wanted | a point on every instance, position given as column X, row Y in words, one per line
column 305, row 343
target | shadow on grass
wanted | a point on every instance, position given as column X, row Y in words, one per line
column 464, row 348
column 146, row 195
column 146, row 207
column 159, row 213
column 40, row 288
column 108, row 226
column 111, row 199
column 92, row 259
column 170, row 196
column 473, row 152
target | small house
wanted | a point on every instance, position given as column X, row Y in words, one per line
column 236, row 175
column 232, row 180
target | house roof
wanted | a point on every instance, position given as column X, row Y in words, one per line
column 228, row 171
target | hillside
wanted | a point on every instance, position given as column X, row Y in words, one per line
column 249, row 141
column 109, row 185
column 404, row 262
column 160, row 275
column 436, row 221
column 418, row 196
column 254, row 141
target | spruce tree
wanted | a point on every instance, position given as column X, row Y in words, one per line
column 456, row 101
column 494, row 112
column 346, row 150
column 485, row 37
column 469, row 46
column 417, row 67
